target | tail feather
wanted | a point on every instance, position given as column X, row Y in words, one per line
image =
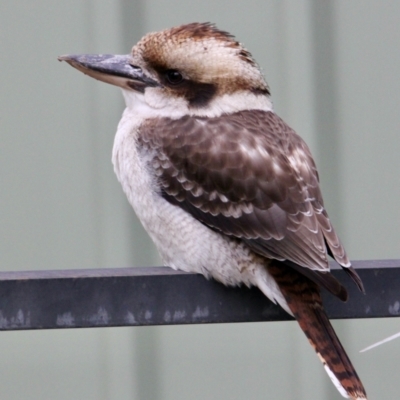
column 304, row 300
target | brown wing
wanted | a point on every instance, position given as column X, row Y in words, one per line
column 246, row 175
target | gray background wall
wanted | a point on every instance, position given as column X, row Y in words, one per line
column 333, row 67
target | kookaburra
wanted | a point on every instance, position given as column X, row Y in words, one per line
column 223, row 186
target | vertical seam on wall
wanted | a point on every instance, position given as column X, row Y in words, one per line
column 326, row 114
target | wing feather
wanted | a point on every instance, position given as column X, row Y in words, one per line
column 247, row 175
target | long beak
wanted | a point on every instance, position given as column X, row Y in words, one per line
column 113, row 69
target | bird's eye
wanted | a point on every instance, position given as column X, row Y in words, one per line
column 173, row 76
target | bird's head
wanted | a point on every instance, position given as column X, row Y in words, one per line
column 187, row 68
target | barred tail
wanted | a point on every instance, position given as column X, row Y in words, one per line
column 304, row 300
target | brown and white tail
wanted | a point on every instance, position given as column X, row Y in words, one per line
column 304, row 300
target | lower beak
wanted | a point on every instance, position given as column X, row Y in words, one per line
column 113, row 69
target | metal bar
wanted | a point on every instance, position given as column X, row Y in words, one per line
column 162, row 296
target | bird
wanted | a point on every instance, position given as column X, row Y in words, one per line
column 222, row 185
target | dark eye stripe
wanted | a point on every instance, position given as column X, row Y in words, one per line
column 199, row 94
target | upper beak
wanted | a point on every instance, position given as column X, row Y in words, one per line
column 113, row 69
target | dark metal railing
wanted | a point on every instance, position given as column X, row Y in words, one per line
column 161, row 296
